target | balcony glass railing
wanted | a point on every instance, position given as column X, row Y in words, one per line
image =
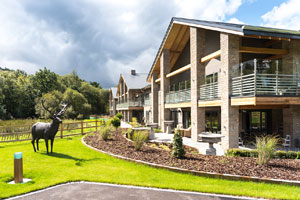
column 209, row 91
column 178, row 96
column 265, row 78
column 266, row 85
column 129, row 104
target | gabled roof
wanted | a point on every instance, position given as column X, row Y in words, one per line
column 133, row 82
column 114, row 91
column 177, row 35
column 137, row 81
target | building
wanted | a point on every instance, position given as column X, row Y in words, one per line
column 232, row 79
column 132, row 93
column 113, row 99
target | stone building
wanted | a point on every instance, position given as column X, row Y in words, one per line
column 113, row 99
column 235, row 80
column 132, row 94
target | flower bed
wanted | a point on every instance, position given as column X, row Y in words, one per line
column 287, row 169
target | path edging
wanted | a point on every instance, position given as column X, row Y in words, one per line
column 200, row 173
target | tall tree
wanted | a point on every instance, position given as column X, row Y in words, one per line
column 45, row 81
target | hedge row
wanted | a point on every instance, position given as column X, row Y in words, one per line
column 253, row 153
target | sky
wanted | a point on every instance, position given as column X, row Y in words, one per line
column 100, row 39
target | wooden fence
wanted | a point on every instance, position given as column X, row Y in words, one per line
column 22, row 133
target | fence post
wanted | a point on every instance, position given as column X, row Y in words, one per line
column 96, row 125
column 81, row 127
column 61, row 130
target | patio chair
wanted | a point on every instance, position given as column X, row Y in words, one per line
column 241, row 142
column 287, row 141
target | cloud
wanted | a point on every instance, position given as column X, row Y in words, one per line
column 286, row 15
column 99, row 39
column 235, row 21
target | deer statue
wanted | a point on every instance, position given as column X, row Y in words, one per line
column 46, row 131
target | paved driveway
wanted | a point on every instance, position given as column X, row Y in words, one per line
column 85, row 190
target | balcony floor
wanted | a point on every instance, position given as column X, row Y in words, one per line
column 274, row 100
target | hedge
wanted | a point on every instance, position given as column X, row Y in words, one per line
column 253, row 153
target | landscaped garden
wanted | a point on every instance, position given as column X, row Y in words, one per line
column 72, row 161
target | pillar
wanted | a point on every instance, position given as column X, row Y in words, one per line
column 197, row 49
column 229, row 114
column 164, row 86
column 154, row 99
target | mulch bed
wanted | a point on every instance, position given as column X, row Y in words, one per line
column 276, row 169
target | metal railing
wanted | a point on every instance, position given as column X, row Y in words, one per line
column 129, row 104
column 178, row 96
column 209, row 91
column 266, row 85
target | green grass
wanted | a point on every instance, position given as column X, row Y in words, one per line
column 72, row 161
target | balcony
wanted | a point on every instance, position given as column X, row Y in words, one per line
column 263, row 81
column 129, row 104
column 179, row 96
column 266, row 85
column 209, row 91
column 147, row 101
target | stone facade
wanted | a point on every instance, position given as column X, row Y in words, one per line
column 197, row 44
column 164, row 86
column 154, row 99
column 229, row 114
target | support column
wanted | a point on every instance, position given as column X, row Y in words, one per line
column 154, row 99
column 229, row 114
column 130, row 115
column 164, row 86
column 197, row 49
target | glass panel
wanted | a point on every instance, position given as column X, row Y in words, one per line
column 255, row 120
column 263, row 121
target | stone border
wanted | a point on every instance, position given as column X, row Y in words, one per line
column 200, row 173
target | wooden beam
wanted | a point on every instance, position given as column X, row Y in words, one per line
column 263, row 50
column 178, row 105
column 178, row 71
column 274, row 57
column 157, row 80
column 211, row 56
column 266, row 107
column 270, row 42
column 209, row 103
column 243, row 101
column 180, row 47
column 267, row 37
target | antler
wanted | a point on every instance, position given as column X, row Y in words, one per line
column 43, row 100
column 63, row 109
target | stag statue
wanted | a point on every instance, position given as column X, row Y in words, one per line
column 46, row 131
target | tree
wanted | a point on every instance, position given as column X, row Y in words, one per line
column 78, row 104
column 71, row 81
column 177, row 150
column 116, row 122
column 45, row 81
column 52, row 101
column 95, row 84
column 119, row 115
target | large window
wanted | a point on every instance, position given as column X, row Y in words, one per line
column 212, row 121
column 258, row 120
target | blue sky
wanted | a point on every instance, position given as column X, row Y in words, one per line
column 100, row 39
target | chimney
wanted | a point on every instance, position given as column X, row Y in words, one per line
column 133, row 72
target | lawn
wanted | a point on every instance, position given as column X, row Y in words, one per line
column 72, row 161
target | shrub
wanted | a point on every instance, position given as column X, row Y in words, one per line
column 130, row 134
column 139, row 138
column 157, row 130
column 241, row 153
column 177, row 150
column 134, row 122
column 115, row 122
column 105, row 133
column 265, row 147
column 119, row 115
